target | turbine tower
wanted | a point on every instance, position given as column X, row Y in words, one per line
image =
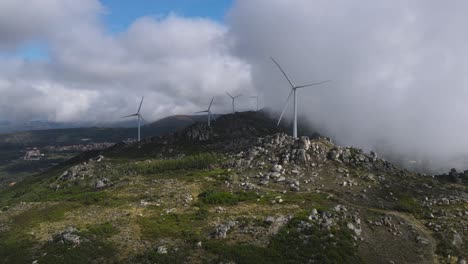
column 293, row 92
column 256, row 98
column 140, row 117
column 233, row 101
column 208, row 112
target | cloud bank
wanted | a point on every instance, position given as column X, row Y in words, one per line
column 91, row 74
column 398, row 69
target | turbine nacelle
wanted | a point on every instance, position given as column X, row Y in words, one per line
column 233, row 101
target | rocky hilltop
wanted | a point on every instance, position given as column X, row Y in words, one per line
column 241, row 191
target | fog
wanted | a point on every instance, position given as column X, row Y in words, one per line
column 399, row 70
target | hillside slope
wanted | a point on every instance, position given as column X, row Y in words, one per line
column 241, row 191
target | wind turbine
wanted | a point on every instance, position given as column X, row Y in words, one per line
column 208, row 111
column 140, row 117
column 256, row 98
column 293, row 91
column 233, row 101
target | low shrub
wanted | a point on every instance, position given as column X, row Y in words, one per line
column 198, row 161
column 227, row 198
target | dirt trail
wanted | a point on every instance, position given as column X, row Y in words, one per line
column 405, row 216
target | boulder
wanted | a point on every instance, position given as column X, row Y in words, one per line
column 68, row 237
column 222, row 229
column 277, row 168
column 162, row 250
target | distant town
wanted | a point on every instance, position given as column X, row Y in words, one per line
column 34, row 153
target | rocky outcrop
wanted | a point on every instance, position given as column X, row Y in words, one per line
column 222, row 229
column 68, row 237
column 198, row 132
column 454, row 176
column 355, row 157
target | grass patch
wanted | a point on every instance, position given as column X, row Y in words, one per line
column 408, row 204
column 186, row 226
column 49, row 214
column 16, row 247
column 172, row 256
column 226, row 198
column 78, row 194
column 93, row 249
column 104, row 230
column 193, row 162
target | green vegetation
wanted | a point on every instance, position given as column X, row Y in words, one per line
column 15, row 247
column 93, row 249
column 103, row 230
column 185, row 226
column 16, row 244
column 197, row 162
column 408, row 204
column 213, row 197
column 171, row 258
column 292, row 246
column 49, row 214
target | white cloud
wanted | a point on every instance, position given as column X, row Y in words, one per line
column 398, row 68
column 22, row 21
column 177, row 63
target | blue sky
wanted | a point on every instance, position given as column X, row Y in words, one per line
column 121, row 13
column 124, row 12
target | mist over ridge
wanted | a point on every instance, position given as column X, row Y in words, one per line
column 398, row 70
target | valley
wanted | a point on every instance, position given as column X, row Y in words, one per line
column 59, row 145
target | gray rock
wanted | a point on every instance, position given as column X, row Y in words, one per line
column 461, row 260
column 222, row 229
column 281, row 179
column 457, row 240
column 275, row 174
column 301, row 155
column 445, row 201
column 270, row 220
column 277, row 168
column 68, row 237
column 162, row 250
column 100, row 184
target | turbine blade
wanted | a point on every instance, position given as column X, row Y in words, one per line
column 230, row 95
column 285, row 105
column 206, row 111
column 129, row 116
column 238, row 96
column 139, row 108
column 285, row 75
column 209, row 107
column 312, row 84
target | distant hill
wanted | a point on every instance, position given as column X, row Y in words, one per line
column 68, row 136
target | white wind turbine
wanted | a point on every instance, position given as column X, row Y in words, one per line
column 140, row 117
column 256, row 98
column 233, row 101
column 208, row 112
column 293, row 91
